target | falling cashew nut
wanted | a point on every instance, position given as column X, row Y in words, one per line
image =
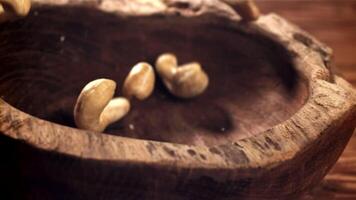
column 140, row 82
column 96, row 109
column 185, row 81
column 19, row 8
column 247, row 9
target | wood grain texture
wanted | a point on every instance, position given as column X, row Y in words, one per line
column 333, row 22
column 56, row 162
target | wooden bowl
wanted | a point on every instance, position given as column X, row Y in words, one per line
column 272, row 123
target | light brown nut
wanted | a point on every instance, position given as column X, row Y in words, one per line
column 140, row 81
column 11, row 9
column 190, row 81
column 95, row 108
column 184, row 81
column 4, row 15
column 2, row 9
column 247, row 9
column 166, row 65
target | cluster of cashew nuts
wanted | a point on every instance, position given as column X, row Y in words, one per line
column 10, row 9
column 96, row 107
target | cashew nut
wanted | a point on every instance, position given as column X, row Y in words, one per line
column 19, row 8
column 96, row 109
column 140, row 81
column 186, row 81
column 2, row 10
column 247, row 9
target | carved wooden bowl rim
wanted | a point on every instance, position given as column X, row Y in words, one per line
column 331, row 101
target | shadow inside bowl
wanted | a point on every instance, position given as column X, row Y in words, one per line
column 48, row 57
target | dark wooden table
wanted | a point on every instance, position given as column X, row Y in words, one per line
column 334, row 23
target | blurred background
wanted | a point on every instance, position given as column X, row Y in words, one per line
column 334, row 23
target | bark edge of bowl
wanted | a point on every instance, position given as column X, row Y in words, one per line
column 282, row 162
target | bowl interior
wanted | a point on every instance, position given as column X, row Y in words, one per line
column 48, row 57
